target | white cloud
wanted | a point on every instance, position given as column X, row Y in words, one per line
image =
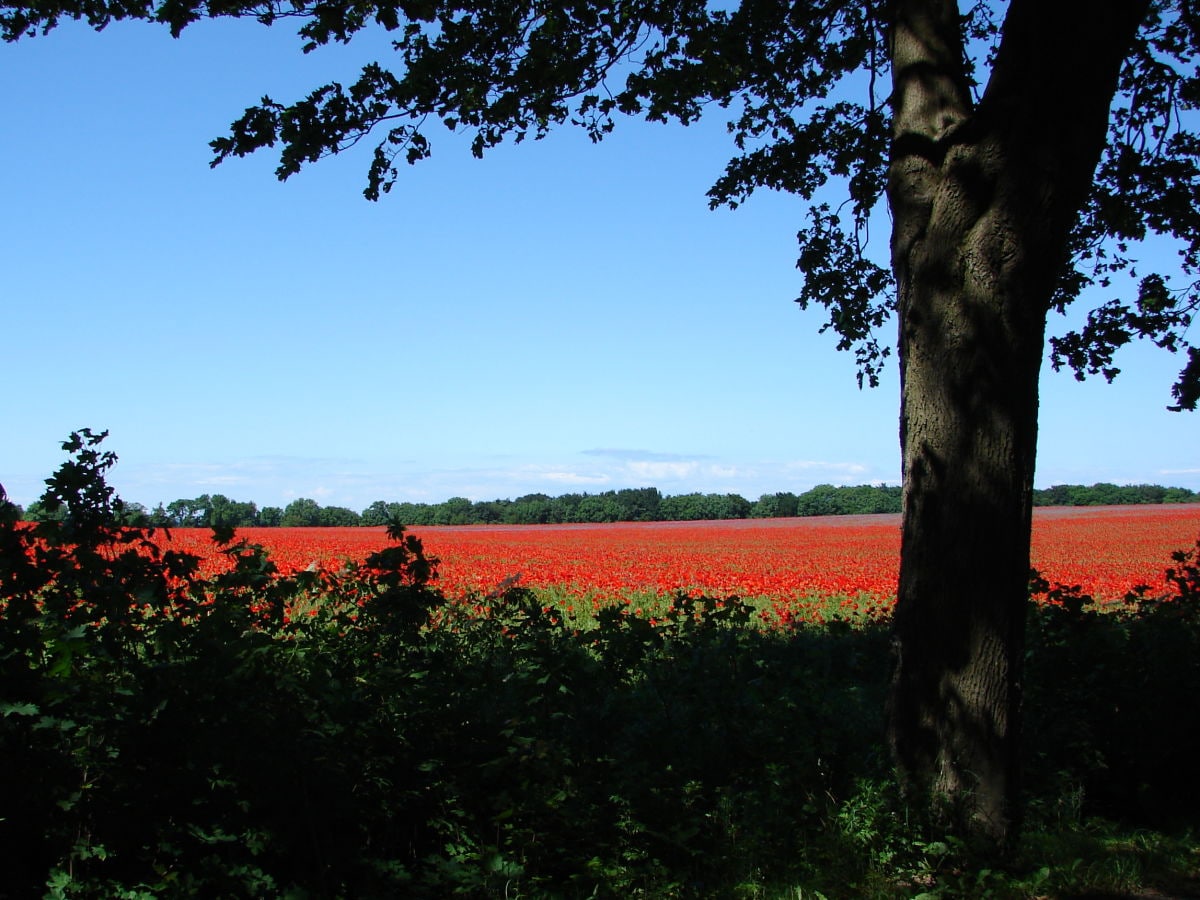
column 808, row 465
column 223, row 480
column 662, row 471
column 641, row 455
column 268, row 481
column 574, row 478
column 803, row 474
column 725, row 471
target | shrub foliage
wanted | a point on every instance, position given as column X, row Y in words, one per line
column 351, row 733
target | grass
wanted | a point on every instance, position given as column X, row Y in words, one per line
column 579, row 608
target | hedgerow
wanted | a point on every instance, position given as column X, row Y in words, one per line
column 349, row 732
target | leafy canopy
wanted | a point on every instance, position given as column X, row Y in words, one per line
column 804, row 90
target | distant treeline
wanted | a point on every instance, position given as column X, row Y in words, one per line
column 628, row 505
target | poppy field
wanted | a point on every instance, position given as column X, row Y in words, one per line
column 1104, row 550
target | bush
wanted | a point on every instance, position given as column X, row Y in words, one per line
column 351, row 733
column 1111, row 699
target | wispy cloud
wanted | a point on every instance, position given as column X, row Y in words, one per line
column 650, row 467
column 643, row 455
column 727, row 471
column 575, row 478
column 806, row 465
column 663, row 471
column 806, row 470
column 268, row 480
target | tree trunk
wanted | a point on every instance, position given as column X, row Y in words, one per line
column 983, row 198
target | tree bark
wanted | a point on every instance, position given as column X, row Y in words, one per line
column 983, row 197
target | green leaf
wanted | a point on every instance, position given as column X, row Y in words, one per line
column 19, row 709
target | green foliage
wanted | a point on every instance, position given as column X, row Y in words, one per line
column 338, row 517
column 1105, row 494
column 206, row 512
column 626, row 505
column 36, row 512
column 1110, row 698
column 303, row 512
column 352, row 733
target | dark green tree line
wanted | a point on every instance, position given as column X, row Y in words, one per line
column 627, row 505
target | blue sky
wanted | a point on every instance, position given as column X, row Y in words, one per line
column 556, row 317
